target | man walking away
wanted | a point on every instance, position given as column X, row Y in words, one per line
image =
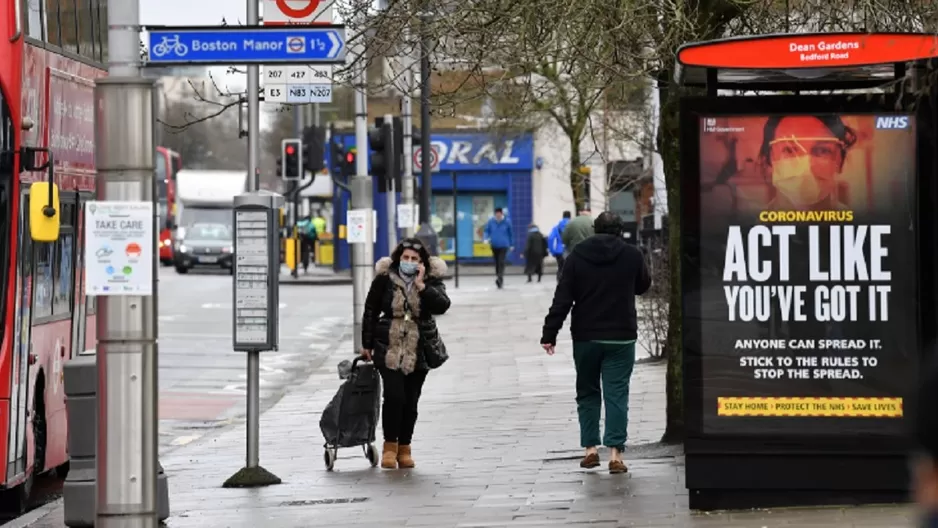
column 578, row 230
column 498, row 234
column 555, row 242
column 307, row 235
column 535, row 249
column 601, row 277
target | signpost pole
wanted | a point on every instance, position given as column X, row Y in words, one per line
column 126, row 453
column 254, row 359
column 407, row 120
column 426, row 232
column 252, row 474
column 363, row 251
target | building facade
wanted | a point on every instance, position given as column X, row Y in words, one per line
column 475, row 174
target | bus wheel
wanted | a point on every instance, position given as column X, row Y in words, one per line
column 39, row 427
column 61, row 472
column 16, row 501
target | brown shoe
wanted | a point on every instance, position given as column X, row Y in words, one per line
column 617, row 466
column 590, row 461
column 404, row 459
column 389, row 456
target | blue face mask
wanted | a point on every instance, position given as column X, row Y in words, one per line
column 408, row 268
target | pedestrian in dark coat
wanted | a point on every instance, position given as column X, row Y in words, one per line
column 535, row 250
column 601, row 277
column 397, row 326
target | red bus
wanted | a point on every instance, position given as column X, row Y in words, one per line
column 50, row 56
column 168, row 164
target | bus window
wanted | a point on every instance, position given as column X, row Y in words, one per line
column 34, row 15
column 62, row 296
column 42, row 280
column 51, row 14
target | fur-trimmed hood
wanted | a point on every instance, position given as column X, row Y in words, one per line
column 437, row 267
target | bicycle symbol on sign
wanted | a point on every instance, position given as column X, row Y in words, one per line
column 170, row 44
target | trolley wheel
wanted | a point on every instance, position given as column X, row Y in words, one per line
column 372, row 454
column 329, row 456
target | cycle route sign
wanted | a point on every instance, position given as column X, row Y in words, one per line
column 247, row 45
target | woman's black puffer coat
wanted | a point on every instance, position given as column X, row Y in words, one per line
column 376, row 320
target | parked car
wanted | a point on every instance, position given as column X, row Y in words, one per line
column 205, row 246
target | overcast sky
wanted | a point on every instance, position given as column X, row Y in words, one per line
column 197, row 13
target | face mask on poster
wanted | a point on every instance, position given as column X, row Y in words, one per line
column 793, row 178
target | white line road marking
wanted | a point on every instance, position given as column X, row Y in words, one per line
column 318, row 346
column 270, row 370
column 230, row 389
column 183, row 440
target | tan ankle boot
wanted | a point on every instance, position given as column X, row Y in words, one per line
column 389, row 457
column 404, row 459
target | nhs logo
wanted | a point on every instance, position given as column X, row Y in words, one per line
column 892, row 122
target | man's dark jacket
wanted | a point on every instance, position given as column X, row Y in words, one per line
column 600, row 281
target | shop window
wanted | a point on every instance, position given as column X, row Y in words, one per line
column 53, row 27
column 100, row 10
column 86, row 26
column 33, row 18
column 68, row 25
column 63, row 274
column 42, row 280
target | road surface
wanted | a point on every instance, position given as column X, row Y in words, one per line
column 202, row 381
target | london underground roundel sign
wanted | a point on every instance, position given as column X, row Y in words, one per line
column 298, row 10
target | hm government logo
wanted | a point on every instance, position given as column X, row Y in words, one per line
column 892, row 123
column 710, row 125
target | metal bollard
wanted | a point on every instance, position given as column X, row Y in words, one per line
column 78, row 493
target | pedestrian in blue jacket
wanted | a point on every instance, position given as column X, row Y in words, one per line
column 555, row 242
column 498, row 234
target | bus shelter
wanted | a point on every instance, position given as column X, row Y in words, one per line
column 808, row 202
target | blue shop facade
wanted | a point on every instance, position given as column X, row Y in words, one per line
column 478, row 172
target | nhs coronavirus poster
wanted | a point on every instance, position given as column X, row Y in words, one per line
column 808, row 273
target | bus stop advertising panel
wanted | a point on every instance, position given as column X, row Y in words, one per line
column 809, row 305
column 801, row 277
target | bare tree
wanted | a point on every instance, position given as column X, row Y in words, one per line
column 653, row 306
column 202, row 144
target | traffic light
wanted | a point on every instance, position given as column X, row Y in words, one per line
column 336, row 158
column 381, row 153
column 336, row 152
column 348, row 165
column 314, row 148
column 292, row 167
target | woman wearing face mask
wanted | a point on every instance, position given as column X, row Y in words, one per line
column 806, row 156
column 397, row 326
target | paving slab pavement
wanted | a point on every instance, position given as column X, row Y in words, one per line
column 496, row 446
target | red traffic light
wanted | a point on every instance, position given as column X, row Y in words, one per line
column 291, row 150
column 350, row 157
